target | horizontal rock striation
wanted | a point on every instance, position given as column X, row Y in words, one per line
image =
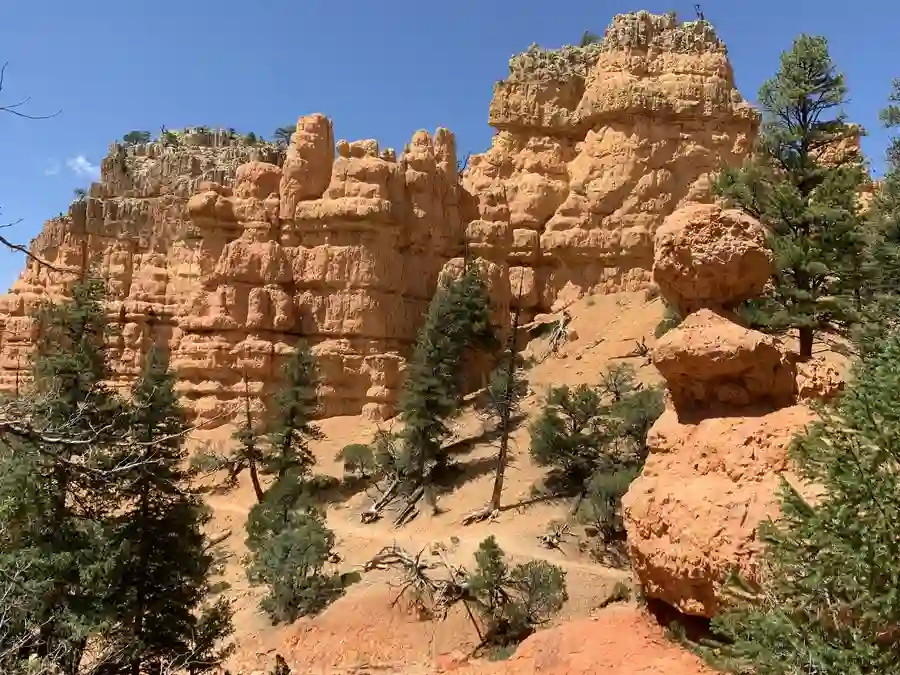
column 227, row 254
column 595, row 146
column 227, row 251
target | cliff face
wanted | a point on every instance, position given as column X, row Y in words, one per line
column 227, row 253
column 595, row 146
column 235, row 258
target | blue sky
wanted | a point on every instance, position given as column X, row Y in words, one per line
column 378, row 69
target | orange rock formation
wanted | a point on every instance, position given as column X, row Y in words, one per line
column 235, row 250
column 719, row 450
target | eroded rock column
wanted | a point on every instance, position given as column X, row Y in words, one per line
column 719, row 450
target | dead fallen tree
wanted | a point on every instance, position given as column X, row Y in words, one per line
column 504, row 604
column 430, row 583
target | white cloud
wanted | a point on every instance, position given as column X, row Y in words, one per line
column 52, row 167
column 80, row 166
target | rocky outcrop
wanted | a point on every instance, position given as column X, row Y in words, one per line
column 710, row 362
column 226, row 251
column 236, row 258
column 719, row 450
column 693, row 513
column 706, row 256
column 595, row 146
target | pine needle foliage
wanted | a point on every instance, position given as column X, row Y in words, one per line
column 513, row 601
column 53, row 500
column 594, row 440
column 829, row 602
column 291, row 427
column 884, row 220
column 159, row 567
column 458, row 319
column 291, row 562
column 103, row 566
column 805, row 192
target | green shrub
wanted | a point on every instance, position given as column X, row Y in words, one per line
column 290, row 563
column 602, row 504
column 136, row 137
column 513, row 601
column 358, row 459
column 570, row 435
column 594, row 440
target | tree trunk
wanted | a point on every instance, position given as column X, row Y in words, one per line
column 512, row 353
column 501, row 469
column 806, row 342
column 48, row 621
column 254, row 478
column 143, row 559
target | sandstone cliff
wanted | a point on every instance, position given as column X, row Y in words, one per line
column 595, row 146
column 226, row 253
column 236, row 258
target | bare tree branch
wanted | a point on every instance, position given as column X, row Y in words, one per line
column 13, row 108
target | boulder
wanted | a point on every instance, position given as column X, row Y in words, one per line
column 710, row 361
column 692, row 515
column 707, row 256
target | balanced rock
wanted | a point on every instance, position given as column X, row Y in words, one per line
column 707, row 256
column 709, row 361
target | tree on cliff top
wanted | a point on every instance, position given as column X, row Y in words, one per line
column 282, row 135
column 808, row 203
column 135, row 137
column 589, row 38
column 829, row 603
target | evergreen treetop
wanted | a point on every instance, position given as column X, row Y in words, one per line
column 806, row 194
column 291, row 426
column 885, row 219
column 69, row 362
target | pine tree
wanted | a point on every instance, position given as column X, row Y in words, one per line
column 595, row 441
column 157, row 553
column 571, row 434
column 882, row 308
column 829, row 603
column 807, row 200
column 282, row 135
column 290, row 426
column 56, row 473
column 505, row 390
column 458, row 318
column 135, row 137
column 290, row 562
column 504, row 393
column 246, row 454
